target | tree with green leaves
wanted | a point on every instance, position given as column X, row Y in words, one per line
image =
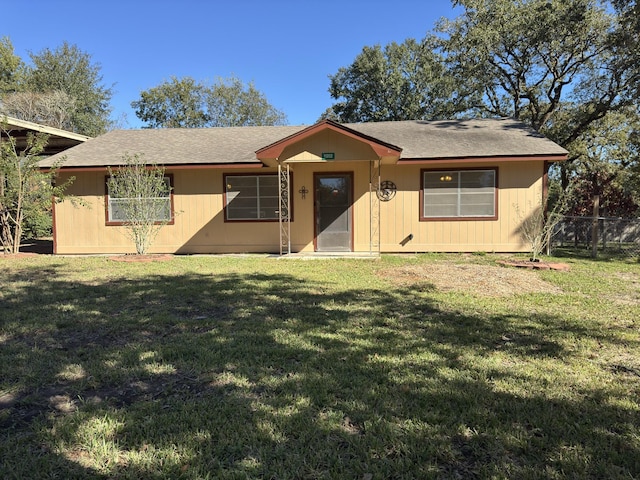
column 25, row 191
column 186, row 103
column 61, row 88
column 230, row 103
column 139, row 195
column 177, row 103
column 532, row 59
column 70, row 70
column 398, row 82
column 558, row 65
column 12, row 68
column 606, row 163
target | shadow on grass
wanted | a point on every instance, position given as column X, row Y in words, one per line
column 266, row 376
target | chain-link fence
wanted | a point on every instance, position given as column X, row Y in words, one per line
column 614, row 234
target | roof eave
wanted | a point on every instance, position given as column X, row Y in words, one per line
column 486, row 158
column 178, row 166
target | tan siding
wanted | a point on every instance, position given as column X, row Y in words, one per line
column 200, row 227
column 311, row 148
column 302, row 225
column 520, row 187
column 200, row 215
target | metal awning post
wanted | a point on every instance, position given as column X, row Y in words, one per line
column 374, row 206
column 284, row 209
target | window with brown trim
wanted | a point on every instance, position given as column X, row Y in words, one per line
column 459, row 194
column 163, row 206
column 252, row 197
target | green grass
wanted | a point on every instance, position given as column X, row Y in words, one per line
column 253, row 367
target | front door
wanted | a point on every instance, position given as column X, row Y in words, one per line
column 333, row 198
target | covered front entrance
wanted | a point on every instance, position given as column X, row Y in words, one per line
column 330, row 176
column 333, row 200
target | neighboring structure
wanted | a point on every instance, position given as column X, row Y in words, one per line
column 59, row 140
column 410, row 186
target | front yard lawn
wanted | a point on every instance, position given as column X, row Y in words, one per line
column 430, row 366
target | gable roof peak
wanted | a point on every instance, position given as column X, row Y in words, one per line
column 380, row 147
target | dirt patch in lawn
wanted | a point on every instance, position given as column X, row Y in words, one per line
column 141, row 258
column 15, row 256
column 629, row 293
column 484, row 280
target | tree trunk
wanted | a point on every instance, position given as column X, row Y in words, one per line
column 564, row 177
column 17, row 235
column 5, row 232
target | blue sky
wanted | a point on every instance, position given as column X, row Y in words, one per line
column 287, row 48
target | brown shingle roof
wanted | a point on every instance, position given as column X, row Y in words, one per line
column 237, row 145
column 174, row 146
column 461, row 138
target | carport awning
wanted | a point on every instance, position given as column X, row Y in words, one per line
column 59, row 140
